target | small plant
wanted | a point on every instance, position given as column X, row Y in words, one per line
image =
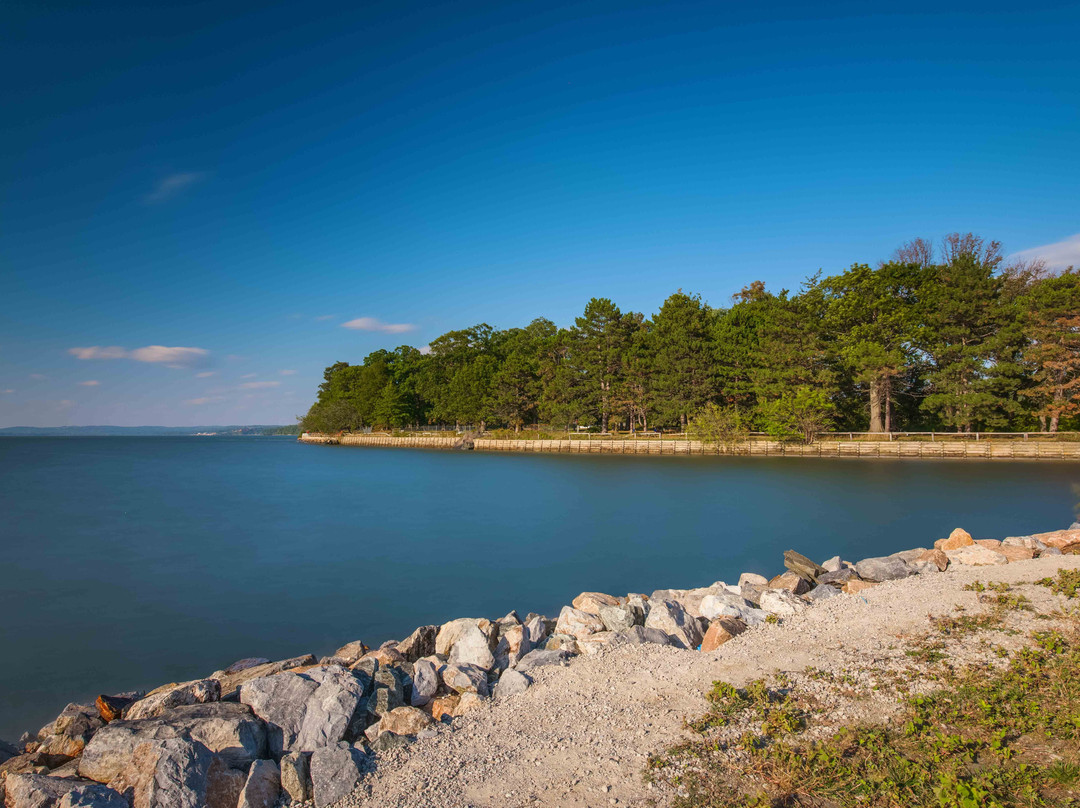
column 1067, row 583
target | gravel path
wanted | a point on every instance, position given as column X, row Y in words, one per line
column 581, row 735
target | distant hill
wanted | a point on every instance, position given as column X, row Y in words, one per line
column 145, row 431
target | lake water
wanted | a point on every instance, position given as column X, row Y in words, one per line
column 130, row 562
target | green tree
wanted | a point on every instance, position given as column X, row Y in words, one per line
column 801, row 413
column 1053, row 349
column 726, row 427
column 601, row 335
column 684, row 375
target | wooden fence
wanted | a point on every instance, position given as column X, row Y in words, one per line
column 983, row 449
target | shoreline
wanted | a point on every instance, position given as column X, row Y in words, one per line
column 985, row 449
column 282, row 726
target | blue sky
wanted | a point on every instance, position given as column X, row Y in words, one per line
column 199, row 196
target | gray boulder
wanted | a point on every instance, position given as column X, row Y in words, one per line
column 307, row 711
column 536, row 630
column 262, row 787
column 199, row 691
column 884, row 568
column 335, row 771
column 231, row 680
column 668, row 616
column 296, row 776
column 802, row 566
column 511, row 683
column 781, row 603
column 232, row 731
column 616, row 618
column 823, row 592
column 170, row 773
column 463, row 678
column 43, row 791
column 910, row 555
column 420, row 643
column 388, row 692
column 837, row 578
column 834, row 564
column 639, row 635
column 577, row 623
column 541, row 658
column 390, row 740
column 425, row 683
column 723, row 603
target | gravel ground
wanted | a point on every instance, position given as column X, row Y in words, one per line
column 581, row 735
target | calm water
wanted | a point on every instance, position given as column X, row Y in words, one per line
column 129, row 562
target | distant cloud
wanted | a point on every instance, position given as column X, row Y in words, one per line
column 38, row 377
column 197, row 402
column 172, row 185
column 372, row 324
column 9, row 390
column 206, row 374
column 287, row 372
column 90, row 383
column 258, row 385
column 1058, row 255
column 425, row 350
column 322, row 318
column 249, row 375
column 174, row 357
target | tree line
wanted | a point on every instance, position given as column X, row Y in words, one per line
column 946, row 337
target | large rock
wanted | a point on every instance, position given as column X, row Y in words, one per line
column 802, row 566
column 513, row 644
column 720, row 631
column 855, row 586
column 838, row 578
column 158, row 701
column 957, row 539
column 388, row 692
column 885, row 568
column 1068, row 541
column 562, row 642
column 42, row 791
column 296, row 776
column 576, row 623
column 1030, row 542
column 591, row 602
column 404, row 721
column 1014, row 553
column 936, row 557
column 536, row 631
column 753, row 579
column 790, row 582
column 307, row 711
column 594, row 643
column 691, row 599
column 111, row 708
column 232, row 731
column 350, row 652
column 469, row 641
column 541, row 658
column 511, row 683
column 262, row 787
column 420, row 643
column 170, row 773
column 231, row 679
column 335, row 771
column 822, row 592
column 834, row 564
column 781, row 602
column 723, row 604
column 425, row 683
column 974, row 555
column 618, row 617
column 463, row 678
column 639, row 635
column 669, row 617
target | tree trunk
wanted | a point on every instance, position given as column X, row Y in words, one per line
column 888, row 406
column 876, row 423
column 1054, row 423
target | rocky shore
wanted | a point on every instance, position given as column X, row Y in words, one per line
column 298, row 731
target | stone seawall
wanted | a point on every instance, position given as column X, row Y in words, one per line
column 987, row 449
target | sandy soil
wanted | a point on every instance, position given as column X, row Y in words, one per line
column 581, row 735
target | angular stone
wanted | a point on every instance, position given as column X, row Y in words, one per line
column 957, row 539
column 669, row 617
column 224, row 785
column 511, row 683
column 404, row 721
column 41, row 791
column 111, row 708
column 173, row 772
column 388, row 693
column 541, row 658
column 390, row 740
column 834, row 564
column 594, row 642
column 335, row 771
column 562, row 642
column 78, row 721
column 923, row 568
column 838, row 578
column 232, row 731
column 855, row 586
column 262, row 787
column 420, row 643
column 639, row 635
column 468, row 702
column 1029, row 542
column 723, row 604
column 350, row 652
column 1016, row 553
column 56, row 750
column 425, row 683
column 93, row 795
column 200, row 691
column 992, row 544
column 296, row 776
column 306, row 711
column 468, row 641
column 231, row 681
column 576, row 623
column 444, row 706
column 975, row 555
column 909, row 555
column 462, row 678
column 802, row 566
column 513, row 645
column 720, row 631
column 886, row 568
column 791, row 582
column 590, row 602
column 1064, row 540
column 26, row 763
column 753, row 579
column 822, row 592
column 616, row 618
column 781, row 602
column 536, row 630
column 937, row 557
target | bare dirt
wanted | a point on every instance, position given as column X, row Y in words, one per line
column 581, row 735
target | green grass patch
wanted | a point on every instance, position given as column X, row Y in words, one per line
column 1066, row 583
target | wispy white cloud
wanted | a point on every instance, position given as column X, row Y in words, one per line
column 287, row 372
column 90, row 383
column 322, row 318
column 259, row 385
column 206, row 374
column 249, row 375
column 172, row 185
column 38, row 377
column 174, row 357
column 9, row 390
column 1058, row 255
column 373, row 324
column 425, row 350
column 198, row 402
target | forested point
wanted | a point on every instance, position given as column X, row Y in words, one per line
column 951, row 338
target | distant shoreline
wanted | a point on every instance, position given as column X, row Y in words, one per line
column 987, row 449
